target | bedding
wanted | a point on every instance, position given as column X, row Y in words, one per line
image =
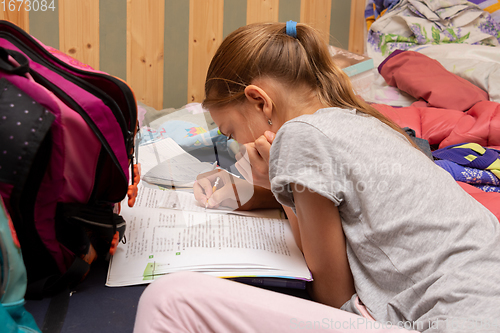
column 479, row 64
column 448, row 110
column 408, row 23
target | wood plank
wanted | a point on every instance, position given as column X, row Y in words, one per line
column 205, row 36
column 317, row 13
column 16, row 13
column 357, row 27
column 145, row 38
column 79, row 30
column 262, row 11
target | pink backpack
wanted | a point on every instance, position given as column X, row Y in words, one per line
column 66, row 145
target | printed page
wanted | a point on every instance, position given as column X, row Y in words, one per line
column 160, row 241
column 181, row 200
column 152, row 154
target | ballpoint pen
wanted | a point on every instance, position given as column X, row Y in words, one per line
column 213, row 190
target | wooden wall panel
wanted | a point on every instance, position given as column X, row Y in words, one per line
column 317, row 14
column 262, row 11
column 19, row 15
column 79, row 30
column 357, row 27
column 205, row 36
column 145, row 38
column 162, row 48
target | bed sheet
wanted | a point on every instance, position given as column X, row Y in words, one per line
column 478, row 64
column 434, row 28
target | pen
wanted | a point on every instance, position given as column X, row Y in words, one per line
column 213, row 190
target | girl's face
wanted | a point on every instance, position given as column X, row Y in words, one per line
column 240, row 121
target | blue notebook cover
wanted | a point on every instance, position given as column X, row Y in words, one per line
column 272, row 282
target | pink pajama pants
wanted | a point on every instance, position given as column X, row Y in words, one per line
column 195, row 302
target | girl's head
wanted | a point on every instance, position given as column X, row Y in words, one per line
column 260, row 77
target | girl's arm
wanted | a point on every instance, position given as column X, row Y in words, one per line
column 292, row 219
column 324, row 247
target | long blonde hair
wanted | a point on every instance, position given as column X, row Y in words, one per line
column 265, row 50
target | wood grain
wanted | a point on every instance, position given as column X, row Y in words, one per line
column 145, row 38
column 262, row 11
column 79, row 30
column 357, row 27
column 317, row 13
column 205, row 36
column 19, row 16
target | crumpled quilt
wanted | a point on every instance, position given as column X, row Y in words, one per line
column 471, row 163
column 449, row 109
column 419, row 22
column 478, row 64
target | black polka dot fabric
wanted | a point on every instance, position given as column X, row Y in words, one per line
column 23, row 125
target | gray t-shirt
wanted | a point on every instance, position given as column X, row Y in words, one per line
column 420, row 248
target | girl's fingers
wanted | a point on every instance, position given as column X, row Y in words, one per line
column 270, row 136
column 224, row 195
column 262, row 147
column 202, row 189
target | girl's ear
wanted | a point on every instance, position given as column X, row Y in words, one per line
column 259, row 100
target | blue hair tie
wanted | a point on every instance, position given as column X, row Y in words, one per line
column 291, row 28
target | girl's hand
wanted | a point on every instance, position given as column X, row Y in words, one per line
column 231, row 191
column 253, row 160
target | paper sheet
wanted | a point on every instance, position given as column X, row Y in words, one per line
column 181, row 200
column 152, row 154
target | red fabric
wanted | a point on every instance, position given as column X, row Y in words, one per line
column 490, row 200
column 425, row 78
column 450, row 110
column 444, row 127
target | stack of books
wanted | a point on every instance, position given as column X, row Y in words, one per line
column 351, row 63
column 359, row 68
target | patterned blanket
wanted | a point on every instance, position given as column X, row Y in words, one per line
column 403, row 24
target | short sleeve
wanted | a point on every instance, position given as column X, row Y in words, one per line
column 303, row 155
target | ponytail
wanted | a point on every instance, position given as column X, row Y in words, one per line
column 266, row 50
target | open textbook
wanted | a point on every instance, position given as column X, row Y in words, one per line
column 167, row 231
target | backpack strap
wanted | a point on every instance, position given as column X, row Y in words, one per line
column 7, row 66
column 56, row 312
column 55, row 283
column 97, row 222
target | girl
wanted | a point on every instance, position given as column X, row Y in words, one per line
column 378, row 222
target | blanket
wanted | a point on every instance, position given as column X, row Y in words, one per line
column 410, row 23
column 449, row 110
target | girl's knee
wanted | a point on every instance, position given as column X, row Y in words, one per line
column 173, row 286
